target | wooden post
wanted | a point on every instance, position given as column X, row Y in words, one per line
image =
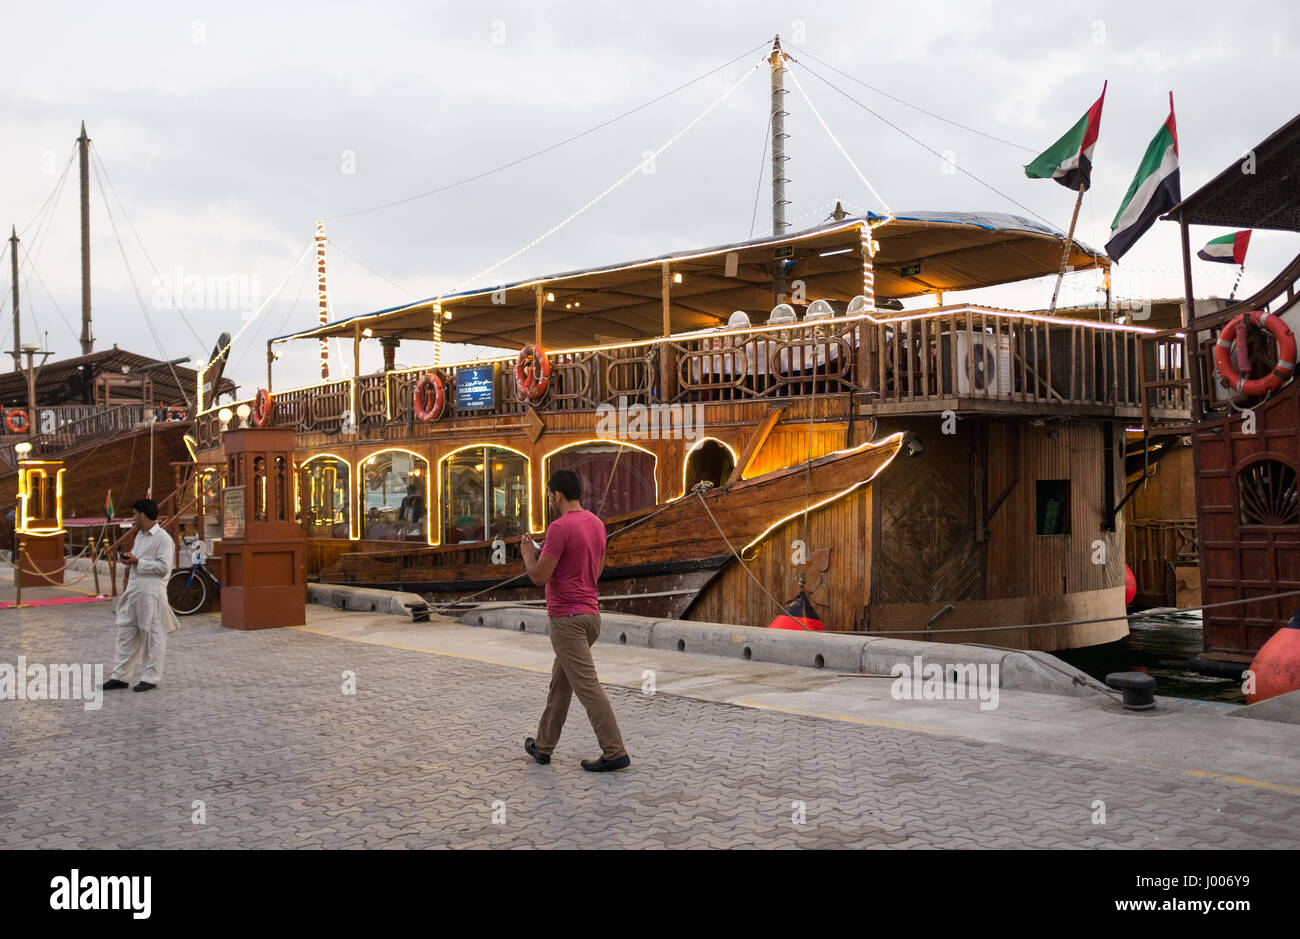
column 1065, row 251
column 667, row 361
column 18, row 572
column 94, row 561
column 356, row 352
column 270, row 358
column 537, row 329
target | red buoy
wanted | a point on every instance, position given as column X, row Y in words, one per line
column 1277, row 663
column 1130, row 585
column 798, row 614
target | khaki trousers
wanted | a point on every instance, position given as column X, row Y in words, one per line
column 575, row 673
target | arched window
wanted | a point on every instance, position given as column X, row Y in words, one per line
column 709, row 460
column 484, row 494
column 394, row 492
column 323, row 490
column 616, row 477
column 1266, row 494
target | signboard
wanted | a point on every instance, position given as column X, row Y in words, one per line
column 910, row 270
column 476, row 388
column 232, row 513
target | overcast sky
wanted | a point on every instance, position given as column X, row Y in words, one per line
column 228, row 129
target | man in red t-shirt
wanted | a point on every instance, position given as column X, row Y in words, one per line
column 569, row 566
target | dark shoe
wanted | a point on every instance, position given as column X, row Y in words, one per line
column 536, row 754
column 113, row 684
column 604, row 766
column 144, row 686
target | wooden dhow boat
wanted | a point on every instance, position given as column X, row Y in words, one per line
column 739, row 455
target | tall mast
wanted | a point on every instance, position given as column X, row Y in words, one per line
column 87, row 340
column 322, row 298
column 779, row 202
column 18, row 345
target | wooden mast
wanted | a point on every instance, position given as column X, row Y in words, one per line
column 779, row 201
column 87, row 340
column 18, row 346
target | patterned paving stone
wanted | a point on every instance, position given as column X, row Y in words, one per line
column 255, row 725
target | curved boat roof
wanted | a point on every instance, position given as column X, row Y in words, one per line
column 920, row 253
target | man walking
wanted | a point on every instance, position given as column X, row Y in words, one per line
column 144, row 617
column 569, row 565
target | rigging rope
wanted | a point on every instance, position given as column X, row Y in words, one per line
column 554, row 146
column 758, row 188
column 615, row 185
column 835, row 140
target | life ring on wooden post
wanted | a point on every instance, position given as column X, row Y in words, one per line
column 532, row 372
column 17, row 422
column 262, row 408
column 429, row 385
column 1235, row 330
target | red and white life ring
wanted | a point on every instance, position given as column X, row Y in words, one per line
column 532, row 372
column 262, row 408
column 430, row 397
column 1236, row 330
column 17, row 422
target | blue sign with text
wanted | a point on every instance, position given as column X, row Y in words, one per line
column 475, row 388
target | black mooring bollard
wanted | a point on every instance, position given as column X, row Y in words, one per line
column 1139, row 689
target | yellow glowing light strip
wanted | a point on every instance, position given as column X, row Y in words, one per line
column 25, row 480
column 361, row 481
column 191, row 445
column 608, row 441
column 871, row 443
column 695, row 446
column 353, row 521
column 528, row 463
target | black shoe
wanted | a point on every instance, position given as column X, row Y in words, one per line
column 604, row 766
column 536, row 754
column 144, row 686
column 113, row 684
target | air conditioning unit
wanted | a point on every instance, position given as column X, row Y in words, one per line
column 983, row 364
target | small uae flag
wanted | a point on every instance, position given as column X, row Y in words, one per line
column 108, row 505
column 1230, row 249
column 1154, row 190
column 798, row 614
column 1069, row 160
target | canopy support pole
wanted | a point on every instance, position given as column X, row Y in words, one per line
column 537, row 329
column 1065, row 249
column 667, row 361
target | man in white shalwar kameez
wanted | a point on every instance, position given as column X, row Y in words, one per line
column 144, row 617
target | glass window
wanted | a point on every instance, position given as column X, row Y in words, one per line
column 484, row 494
column 324, row 493
column 393, row 486
column 632, row 485
column 1053, row 498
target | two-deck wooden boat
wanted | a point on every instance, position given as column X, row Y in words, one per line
column 671, row 372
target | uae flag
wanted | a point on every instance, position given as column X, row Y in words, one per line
column 1153, row 192
column 1230, row 249
column 1069, row 160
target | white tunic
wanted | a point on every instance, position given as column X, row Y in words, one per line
column 144, row 602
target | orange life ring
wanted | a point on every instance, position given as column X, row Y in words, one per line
column 425, row 409
column 532, row 372
column 17, row 422
column 1286, row 352
column 262, row 408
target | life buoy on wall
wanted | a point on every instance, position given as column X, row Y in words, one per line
column 1286, row 352
column 262, row 408
column 17, row 422
column 430, row 397
column 532, row 372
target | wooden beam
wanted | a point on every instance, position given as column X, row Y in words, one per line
column 770, row 420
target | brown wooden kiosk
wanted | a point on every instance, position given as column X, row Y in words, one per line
column 262, row 545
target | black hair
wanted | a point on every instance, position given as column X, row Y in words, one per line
column 566, row 483
column 146, row 507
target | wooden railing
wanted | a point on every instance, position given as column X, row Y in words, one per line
column 911, row 363
column 75, row 426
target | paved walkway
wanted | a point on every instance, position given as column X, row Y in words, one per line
column 428, row 753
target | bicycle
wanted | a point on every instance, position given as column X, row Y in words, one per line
column 191, row 589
